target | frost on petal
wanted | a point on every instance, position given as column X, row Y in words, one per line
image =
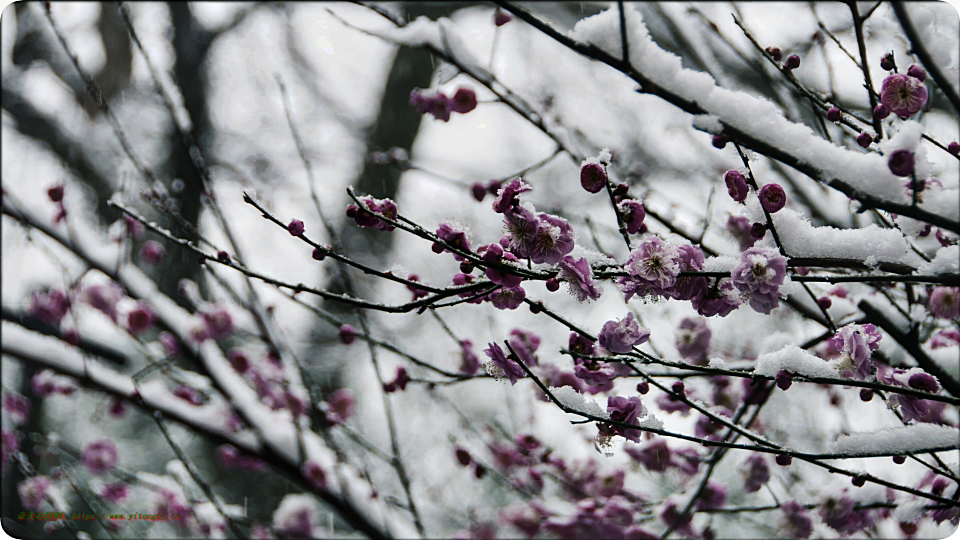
column 579, row 278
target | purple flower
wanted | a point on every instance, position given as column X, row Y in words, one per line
column 596, row 373
column 521, row 226
column 525, row 344
column 33, row 491
column 9, row 445
column 579, row 278
column 713, row 496
column 151, row 252
column 454, row 234
column 507, row 297
column 592, row 176
column 903, row 95
column 917, row 72
column 50, row 306
column 417, row 292
column 500, row 366
column 925, row 382
column 839, row 514
column 218, row 322
column 772, row 197
column 954, row 148
column 501, row 17
column 314, row 474
column 103, row 298
column 435, row 103
column 507, row 194
column 347, row 334
column 672, row 516
column 295, row 228
column 669, row 404
column 188, row 394
column 18, row 407
column 945, row 302
column 793, row 62
column 493, row 254
column 478, row 190
column 99, row 456
column 140, row 319
column 856, row 344
column 633, row 214
column 581, row 345
column 365, row 218
column 553, row 240
column 689, row 287
column 901, row 162
column 784, row 380
column 469, row 363
column 627, row 411
column 171, row 345
column 795, row 522
column 759, row 277
column 463, row 101
column 775, row 52
column 340, row 406
column 621, row 335
column 736, row 185
column 655, row 264
column 693, row 338
column 881, row 111
column 717, row 300
column 398, row 382
column 114, row 492
column 755, row 472
column 739, row 229
column 654, row 456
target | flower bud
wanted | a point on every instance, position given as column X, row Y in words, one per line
column 784, row 379
column 881, row 111
column 501, row 17
column 775, row 52
column 678, row 388
column 954, row 148
column 757, row 230
column 772, row 197
column 643, row 387
column 592, row 177
column 858, row 481
column 223, row 257
column 478, row 190
column 553, row 285
column 56, row 193
column 783, row 460
column 320, row 253
column 866, row 394
column 736, row 185
column 295, row 227
column 864, row 139
column 719, row 141
column 833, row 114
column 151, row 252
column 347, row 334
column 464, row 101
column 793, row 62
column 887, row 62
column 899, row 460
column 917, row 72
column 824, row 302
column 901, row 162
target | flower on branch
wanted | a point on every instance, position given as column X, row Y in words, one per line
column 795, row 522
column 772, row 198
column 50, row 306
column 593, row 177
column 759, row 276
column 945, row 302
column 507, row 195
column 493, row 254
column 903, row 95
column 693, row 338
column 500, row 366
column 627, row 411
column 579, row 278
column 621, row 335
column 633, row 214
column 365, row 218
column 655, row 265
column 521, row 226
column 553, row 240
column 151, row 252
column 525, row 345
column 901, row 162
column 736, row 185
column 856, row 344
column 755, row 473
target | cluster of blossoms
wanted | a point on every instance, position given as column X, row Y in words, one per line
column 364, row 218
column 912, row 408
column 440, row 105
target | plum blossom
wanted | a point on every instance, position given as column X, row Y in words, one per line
column 340, row 406
column 655, row 456
column 507, row 297
column 553, row 240
column 99, row 456
column 759, row 276
column 579, row 278
column 103, row 298
column 469, row 363
column 500, row 366
column 151, row 252
column 627, row 411
column 718, row 299
column 736, row 185
column 493, row 254
column 795, row 522
column 739, row 229
column 901, row 162
column 945, row 302
column 755, row 472
column 463, row 101
column 218, row 321
column 593, row 177
column 114, row 492
column 364, row 218
column 693, row 338
column 713, row 496
column 298, row 516
column 633, row 214
column 772, row 197
column 621, row 335
column 655, row 265
column 521, row 226
column 525, row 344
column 507, row 195
column 689, row 287
column 50, row 306
column 17, row 408
column 9, row 445
column 140, row 319
column 839, row 514
column 455, row 234
column 856, row 344
column 903, row 95
column 33, row 491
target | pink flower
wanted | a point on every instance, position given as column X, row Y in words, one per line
column 739, row 229
column 493, row 254
column 454, row 234
column 655, row 265
column 525, row 344
column 627, row 411
column 772, row 198
column 945, row 302
column 620, row 336
column 314, row 474
column 398, row 382
column 759, row 276
column 188, row 394
column 218, row 322
column 469, row 363
column 506, row 196
column 554, row 239
column 693, row 338
column 903, row 95
column 340, row 406
column 736, row 185
column 593, row 177
column 56, row 193
column 654, row 456
column 633, row 214
column 365, row 218
column 579, row 278
column 901, row 162
column 50, row 306
column 103, row 298
column 507, row 297
column 856, row 344
column 756, row 473
column 464, row 101
column 114, row 492
column 151, row 252
column 238, row 360
column 500, row 366
column 17, row 407
column 521, row 226
column 795, row 523
column 99, row 456
column 140, row 319
column 33, row 491
column 347, row 334
column 501, row 17
column 917, row 72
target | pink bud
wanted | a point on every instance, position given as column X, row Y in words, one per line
column 864, row 139
column 833, row 114
column 56, row 193
column 151, row 252
column 347, row 334
column 793, row 62
column 295, row 227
